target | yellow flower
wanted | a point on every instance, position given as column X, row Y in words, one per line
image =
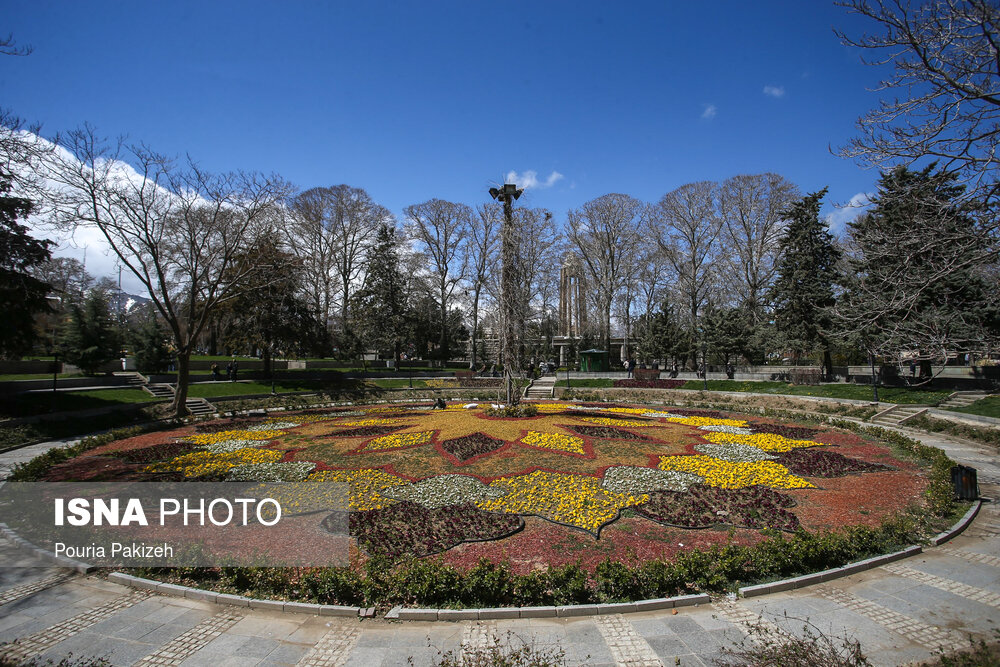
column 604, row 421
column 397, row 440
column 728, row 475
column 366, row 486
column 556, row 441
column 369, row 422
column 706, row 421
column 769, row 442
column 197, row 464
column 238, row 434
column 576, row 500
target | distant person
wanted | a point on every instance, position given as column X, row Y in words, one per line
column 630, row 364
column 236, row 369
column 229, row 371
column 215, row 372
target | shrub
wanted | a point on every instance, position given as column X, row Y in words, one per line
column 31, row 471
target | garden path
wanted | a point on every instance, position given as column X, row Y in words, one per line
column 900, row 612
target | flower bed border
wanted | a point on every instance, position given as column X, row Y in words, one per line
column 928, row 454
column 491, row 613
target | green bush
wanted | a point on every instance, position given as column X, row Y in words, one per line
column 32, row 470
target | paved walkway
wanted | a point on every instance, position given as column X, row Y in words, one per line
column 902, row 612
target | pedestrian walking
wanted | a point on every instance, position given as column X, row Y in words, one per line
column 215, row 372
column 236, row 368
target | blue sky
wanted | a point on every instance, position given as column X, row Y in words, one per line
column 441, row 99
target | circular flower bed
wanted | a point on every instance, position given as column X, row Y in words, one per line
column 562, row 483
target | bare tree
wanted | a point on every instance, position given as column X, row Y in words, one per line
column 440, row 229
column 316, row 245
column 339, row 224
column 606, row 233
column 752, row 208
column 180, row 231
column 686, row 225
column 484, row 235
column 9, row 48
column 943, row 100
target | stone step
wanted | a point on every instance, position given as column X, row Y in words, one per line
column 160, row 390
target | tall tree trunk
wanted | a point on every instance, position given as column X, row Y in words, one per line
column 179, row 405
column 475, row 328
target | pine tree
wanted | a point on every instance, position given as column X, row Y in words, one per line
column 380, row 312
column 89, row 340
column 807, row 271
column 916, row 288
column 21, row 295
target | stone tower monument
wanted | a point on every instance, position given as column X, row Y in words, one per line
column 572, row 298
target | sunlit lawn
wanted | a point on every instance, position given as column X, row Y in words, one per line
column 986, row 407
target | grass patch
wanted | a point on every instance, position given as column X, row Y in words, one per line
column 10, row 377
column 985, row 435
column 985, row 407
column 21, row 405
column 589, row 383
column 398, row 383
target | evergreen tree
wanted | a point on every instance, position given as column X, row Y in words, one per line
column 380, row 312
column 89, row 339
column 666, row 337
column 914, row 289
column 21, row 295
column 147, row 339
column 268, row 315
column 726, row 331
column 807, row 271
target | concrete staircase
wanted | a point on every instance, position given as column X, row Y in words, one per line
column 543, row 387
column 199, row 407
column 898, row 414
column 133, row 379
column 960, row 399
column 160, row 390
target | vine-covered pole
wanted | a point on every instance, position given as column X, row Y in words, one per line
column 508, row 289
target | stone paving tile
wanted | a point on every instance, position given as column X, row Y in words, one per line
column 985, row 558
column 915, row 630
column 973, row 593
column 626, row 645
column 962, row 571
column 189, row 641
column 273, row 628
column 365, row 656
column 334, row 648
column 33, row 587
column 287, row 654
column 39, row 642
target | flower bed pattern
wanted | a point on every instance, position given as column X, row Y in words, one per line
column 471, row 446
column 649, row 384
column 408, row 528
column 426, row 481
column 606, row 433
column 705, row 506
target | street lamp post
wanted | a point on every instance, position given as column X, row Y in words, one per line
column 508, row 283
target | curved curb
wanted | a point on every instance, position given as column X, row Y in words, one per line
column 827, row 575
column 493, row 613
column 962, row 524
column 30, row 549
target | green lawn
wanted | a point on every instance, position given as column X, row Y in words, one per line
column 36, row 376
column 37, row 403
column 397, row 383
column 588, row 383
column 855, row 391
column 986, row 407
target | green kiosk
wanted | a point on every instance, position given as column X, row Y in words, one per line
column 593, row 361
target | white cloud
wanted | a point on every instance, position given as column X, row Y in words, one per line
column 845, row 213
column 529, row 179
column 710, row 111
column 774, row 91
